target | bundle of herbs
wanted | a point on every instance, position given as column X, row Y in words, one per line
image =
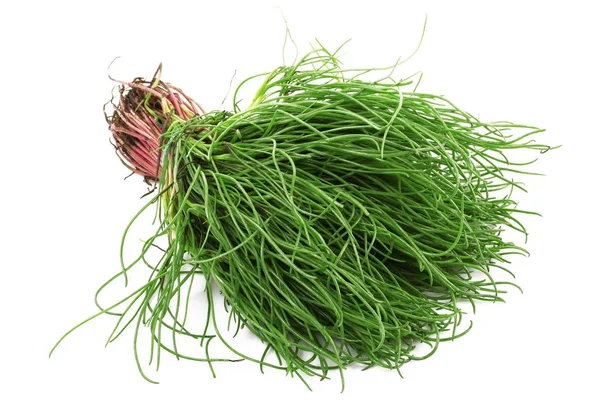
column 344, row 221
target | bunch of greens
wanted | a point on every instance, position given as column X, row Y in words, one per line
column 344, row 221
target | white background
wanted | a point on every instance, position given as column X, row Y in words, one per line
column 64, row 203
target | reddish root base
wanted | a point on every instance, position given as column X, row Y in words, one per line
column 144, row 110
